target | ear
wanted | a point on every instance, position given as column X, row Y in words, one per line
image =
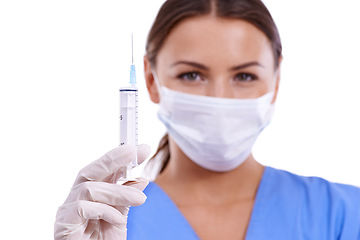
column 277, row 79
column 150, row 81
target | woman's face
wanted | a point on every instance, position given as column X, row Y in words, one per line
column 216, row 57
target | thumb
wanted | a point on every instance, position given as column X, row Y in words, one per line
column 107, row 165
column 143, row 151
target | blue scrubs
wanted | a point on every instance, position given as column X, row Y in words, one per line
column 287, row 206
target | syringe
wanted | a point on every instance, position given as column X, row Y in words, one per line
column 129, row 115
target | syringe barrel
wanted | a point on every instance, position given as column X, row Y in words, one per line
column 129, row 117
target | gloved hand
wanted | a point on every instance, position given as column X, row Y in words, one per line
column 96, row 207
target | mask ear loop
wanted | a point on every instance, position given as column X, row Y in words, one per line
column 273, row 88
column 157, row 83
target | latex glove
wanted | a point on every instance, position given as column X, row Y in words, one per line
column 96, row 207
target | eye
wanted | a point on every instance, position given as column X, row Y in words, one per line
column 190, row 76
column 245, row 77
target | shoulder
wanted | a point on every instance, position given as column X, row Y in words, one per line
column 145, row 216
column 152, row 206
column 158, row 218
column 314, row 187
column 314, row 201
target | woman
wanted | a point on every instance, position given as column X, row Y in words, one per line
column 214, row 69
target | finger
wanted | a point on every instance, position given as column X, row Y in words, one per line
column 107, row 165
column 140, row 183
column 76, row 212
column 143, row 152
column 97, row 211
column 110, row 194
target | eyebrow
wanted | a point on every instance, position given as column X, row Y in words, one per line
column 194, row 64
column 245, row 65
column 201, row 66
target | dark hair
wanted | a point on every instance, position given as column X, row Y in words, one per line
column 174, row 11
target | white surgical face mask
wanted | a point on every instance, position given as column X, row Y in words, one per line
column 216, row 133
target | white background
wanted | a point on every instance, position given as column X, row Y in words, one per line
column 62, row 62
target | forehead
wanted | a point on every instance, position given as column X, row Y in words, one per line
column 211, row 38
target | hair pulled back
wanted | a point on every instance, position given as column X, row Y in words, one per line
column 173, row 12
